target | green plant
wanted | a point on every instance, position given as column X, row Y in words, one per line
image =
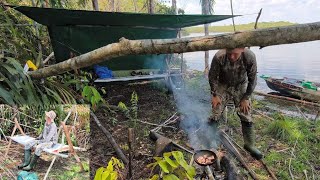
column 173, row 167
column 285, row 129
column 134, row 104
column 111, row 172
column 122, row 106
column 91, row 95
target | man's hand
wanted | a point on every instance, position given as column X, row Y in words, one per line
column 245, row 106
column 215, row 101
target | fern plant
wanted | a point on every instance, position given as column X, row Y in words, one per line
column 122, row 106
column 111, row 172
column 134, row 104
column 173, row 167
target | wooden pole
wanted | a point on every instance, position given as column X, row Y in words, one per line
column 130, row 141
column 18, row 126
column 51, row 164
column 234, row 26
column 10, row 141
column 317, row 116
column 14, row 129
column 72, row 151
column 229, row 145
column 268, row 170
column 110, row 139
column 257, row 19
column 288, row 99
column 209, row 172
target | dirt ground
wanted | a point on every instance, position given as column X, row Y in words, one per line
column 63, row 168
column 155, row 106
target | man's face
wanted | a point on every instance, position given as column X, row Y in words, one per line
column 234, row 54
column 48, row 119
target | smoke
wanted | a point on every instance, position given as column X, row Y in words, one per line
column 194, row 104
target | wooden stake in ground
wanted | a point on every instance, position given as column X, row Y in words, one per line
column 259, row 37
column 130, row 141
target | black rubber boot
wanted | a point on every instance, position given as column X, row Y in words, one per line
column 27, row 154
column 32, row 163
column 249, row 140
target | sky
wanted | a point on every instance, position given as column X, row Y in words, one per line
column 297, row 11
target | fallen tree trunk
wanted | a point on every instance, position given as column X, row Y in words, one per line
column 260, row 37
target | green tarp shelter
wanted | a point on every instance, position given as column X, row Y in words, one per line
column 74, row 32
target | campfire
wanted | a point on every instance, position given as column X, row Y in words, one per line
column 210, row 163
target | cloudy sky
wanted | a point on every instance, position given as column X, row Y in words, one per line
column 298, row 11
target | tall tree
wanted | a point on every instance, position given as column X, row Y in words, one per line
column 150, row 6
column 174, row 6
column 207, row 9
column 95, row 5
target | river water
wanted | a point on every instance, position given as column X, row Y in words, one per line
column 301, row 60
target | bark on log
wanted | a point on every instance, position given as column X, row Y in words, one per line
column 258, row 37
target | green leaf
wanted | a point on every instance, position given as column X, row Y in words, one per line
column 6, row 96
column 99, row 173
column 86, row 91
column 105, row 175
column 191, row 171
column 170, row 177
column 164, row 166
column 173, row 163
column 110, row 166
column 113, row 176
column 154, row 177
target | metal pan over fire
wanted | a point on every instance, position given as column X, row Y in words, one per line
column 205, row 157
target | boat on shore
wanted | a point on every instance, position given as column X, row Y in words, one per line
column 302, row 89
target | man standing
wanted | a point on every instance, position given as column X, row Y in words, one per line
column 232, row 77
column 47, row 139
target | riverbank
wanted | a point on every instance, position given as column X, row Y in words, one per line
column 239, row 27
column 284, row 139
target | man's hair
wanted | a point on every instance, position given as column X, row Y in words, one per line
column 231, row 49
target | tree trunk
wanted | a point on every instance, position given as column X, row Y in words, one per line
column 135, row 5
column 206, row 11
column 259, row 37
column 174, row 6
column 151, row 6
column 111, row 5
column 206, row 53
column 95, row 5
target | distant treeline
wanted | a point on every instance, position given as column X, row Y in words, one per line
column 240, row 27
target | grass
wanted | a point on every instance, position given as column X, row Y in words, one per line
column 284, row 139
column 73, row 173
